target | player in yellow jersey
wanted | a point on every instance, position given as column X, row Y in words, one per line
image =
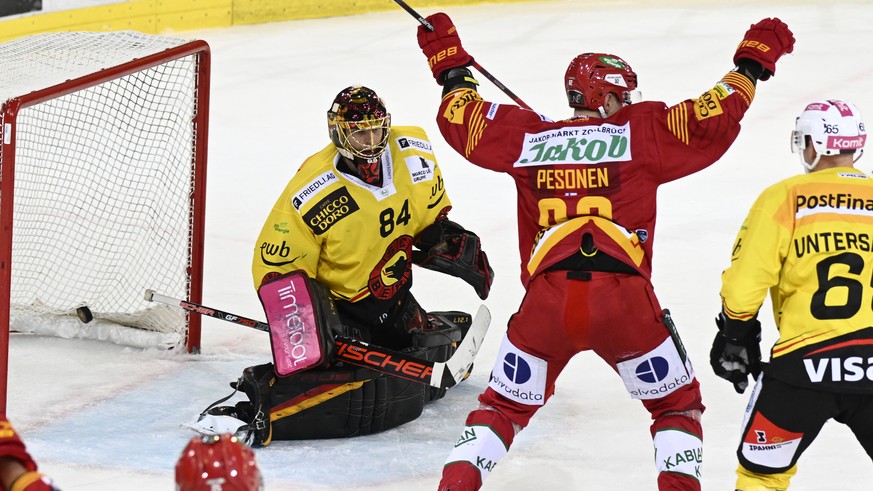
column 350, row 219
column 809, row 241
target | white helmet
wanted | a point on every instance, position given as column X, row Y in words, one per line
column 833, row 127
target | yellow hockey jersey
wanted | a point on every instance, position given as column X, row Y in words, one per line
column 353, row 237
column 809, row 240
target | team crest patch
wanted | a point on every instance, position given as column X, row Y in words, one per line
column 394, row 269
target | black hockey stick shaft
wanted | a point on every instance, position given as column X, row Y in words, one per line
column 475, row 64
column 358, row 353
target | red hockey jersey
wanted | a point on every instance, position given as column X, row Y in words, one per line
column 593, row 175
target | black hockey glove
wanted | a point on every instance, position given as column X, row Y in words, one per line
column 448, row 248
column 736, row 351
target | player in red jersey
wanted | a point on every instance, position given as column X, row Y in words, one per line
column 587, row 190
column 18, row 470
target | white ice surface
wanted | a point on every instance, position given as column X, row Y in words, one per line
column 103, row 417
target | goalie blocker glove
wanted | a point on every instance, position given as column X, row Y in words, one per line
column 736, row 350
column 448, row 248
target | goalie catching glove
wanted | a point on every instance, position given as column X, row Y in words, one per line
column 736, row 350
column 447, row 248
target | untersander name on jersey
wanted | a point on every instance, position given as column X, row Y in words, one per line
column 831, row 241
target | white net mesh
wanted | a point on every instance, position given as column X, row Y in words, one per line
column 103, row 179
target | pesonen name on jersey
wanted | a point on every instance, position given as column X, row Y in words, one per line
column 588, row 178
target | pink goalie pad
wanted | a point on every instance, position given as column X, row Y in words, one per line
column 294, row 330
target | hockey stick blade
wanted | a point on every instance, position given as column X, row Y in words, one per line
column 450, row 372
column 383, row 360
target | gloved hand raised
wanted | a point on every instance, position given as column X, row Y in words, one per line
column 442, row 46
column 765, row 42
column 736, row 351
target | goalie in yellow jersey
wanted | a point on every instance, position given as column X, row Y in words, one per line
column 349, row 219
column 808, row 240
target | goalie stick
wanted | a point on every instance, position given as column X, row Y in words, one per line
column 441, row 374
column 475, row 64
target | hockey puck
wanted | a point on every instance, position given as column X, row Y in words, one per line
column 84, row 314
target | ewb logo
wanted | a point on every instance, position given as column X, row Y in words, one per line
column 653, row 370
column 517, row 370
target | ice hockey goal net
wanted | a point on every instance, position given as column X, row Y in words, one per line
column 102, row 185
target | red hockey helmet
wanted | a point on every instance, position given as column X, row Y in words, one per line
column 592, row 76
column 217, row 463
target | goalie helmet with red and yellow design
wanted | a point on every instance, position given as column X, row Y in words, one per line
column 217, row 463
column 591, row 77
column 359, row 125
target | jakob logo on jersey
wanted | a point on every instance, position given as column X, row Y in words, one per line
column 331, row 209
column 576, row 145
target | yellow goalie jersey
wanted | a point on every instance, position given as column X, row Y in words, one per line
column 354, row 238
column 809, row 240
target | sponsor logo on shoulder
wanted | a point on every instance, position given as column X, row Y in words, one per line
column 420, row 169
column 331, row 209
column 310, row 189
column 408, row 142
column 492, row 111
column 576, row 145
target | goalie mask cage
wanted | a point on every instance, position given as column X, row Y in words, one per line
column 102, row 186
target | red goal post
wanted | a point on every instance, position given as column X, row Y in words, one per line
column 103, row 144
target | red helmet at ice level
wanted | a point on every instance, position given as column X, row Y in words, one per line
column 217, row 463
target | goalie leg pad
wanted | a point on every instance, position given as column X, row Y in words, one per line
column 337, row 402
column 303, row 320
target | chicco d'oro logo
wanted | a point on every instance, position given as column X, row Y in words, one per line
column 517, row 370
column 653, row 370
column 331, row 209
